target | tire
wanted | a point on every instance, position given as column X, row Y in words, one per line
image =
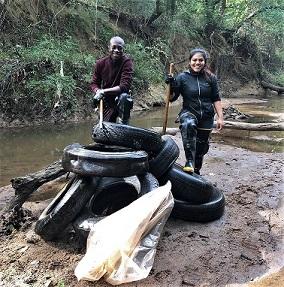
column 87, row 218
column 148, row 182
column 65, row 206
column 89, row 161
column 83, row 223
column 113, row 194
column 189, row 187
column 127, row 136
column 106, row 147
column 166, row 157
column 206, row 212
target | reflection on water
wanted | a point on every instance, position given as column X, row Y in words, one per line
column 28, row 150
column 265, row 110
column 252, row 140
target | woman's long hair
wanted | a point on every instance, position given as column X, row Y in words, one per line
column 209, row 75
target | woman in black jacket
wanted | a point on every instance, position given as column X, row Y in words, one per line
column 199, row 89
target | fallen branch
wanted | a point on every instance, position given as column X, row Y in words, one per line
column 254, row 127
column 26, row 185
column 235, row 126
column 278, row 89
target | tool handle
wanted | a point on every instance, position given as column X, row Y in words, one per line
column 167, row 100
column 101, row 114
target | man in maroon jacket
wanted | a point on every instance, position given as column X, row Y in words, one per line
column 111, row 82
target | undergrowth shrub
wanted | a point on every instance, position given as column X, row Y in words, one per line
column 49, row 72
column 147, row 65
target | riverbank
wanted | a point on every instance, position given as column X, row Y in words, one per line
column 242, row 246
column 155, row 97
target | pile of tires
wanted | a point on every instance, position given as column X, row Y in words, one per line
column 124, row 163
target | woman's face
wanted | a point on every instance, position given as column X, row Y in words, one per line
column 197, row 62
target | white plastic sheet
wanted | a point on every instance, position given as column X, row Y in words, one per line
column 121, row 247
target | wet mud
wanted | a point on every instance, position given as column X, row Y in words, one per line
column 243, row 248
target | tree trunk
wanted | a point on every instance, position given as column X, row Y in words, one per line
column 236, row 126
column 254, row 127
column 26, row 185
column 278, row 89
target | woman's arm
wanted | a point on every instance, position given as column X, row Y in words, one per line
column 219, row 111
column 174, row 89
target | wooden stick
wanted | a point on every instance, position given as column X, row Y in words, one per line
column 168, row 94
column 101, row 113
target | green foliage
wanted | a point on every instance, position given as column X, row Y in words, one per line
column 61, row 284
column 40, row 36
column 38, row 77
column 53, row 49
column 279, row 79
column 49, row 86
column 147, row 64
column 275, row 67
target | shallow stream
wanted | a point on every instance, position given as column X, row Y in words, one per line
column 27, row 150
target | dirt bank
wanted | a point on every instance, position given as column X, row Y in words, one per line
column 154, row 97
column 243, row 245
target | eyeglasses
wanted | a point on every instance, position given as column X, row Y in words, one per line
column 117, row 47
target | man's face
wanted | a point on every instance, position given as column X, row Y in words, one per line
column 116, row 50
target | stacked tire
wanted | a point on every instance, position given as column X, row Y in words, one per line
column 124, row 163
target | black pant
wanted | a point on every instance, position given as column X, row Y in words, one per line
column 119, row 109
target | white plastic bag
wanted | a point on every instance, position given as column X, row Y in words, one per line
column 122, row 246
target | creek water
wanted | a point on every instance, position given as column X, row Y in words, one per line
column 27, row 150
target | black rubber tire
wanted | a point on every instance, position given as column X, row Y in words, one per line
column 166, row 157
column 127, row 136
column 206, row 212
column 85, row 161
column 83, row 222
column 113, row 194
column 107, row 147
column 148, row 183
column 65, row 206
column 189, row 187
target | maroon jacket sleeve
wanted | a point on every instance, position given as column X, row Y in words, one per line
column 126, row 76
column 97, row 77
column 108, row 74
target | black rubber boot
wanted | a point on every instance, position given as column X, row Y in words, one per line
column 124, row 105
column 188, row 167
column 189, row 150
column 202, row 147
column 188, row 133
column 198, row 164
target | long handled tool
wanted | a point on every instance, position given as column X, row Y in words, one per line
column 101, row 114
column 168, row 93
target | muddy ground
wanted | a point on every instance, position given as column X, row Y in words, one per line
column 244, row 245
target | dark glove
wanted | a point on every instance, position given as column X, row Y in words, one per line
column 97, row 97
column 170, row 80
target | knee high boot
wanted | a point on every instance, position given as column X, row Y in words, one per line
column 124, row 106
column 202, row 147
column 190, row 152
column 188, row 132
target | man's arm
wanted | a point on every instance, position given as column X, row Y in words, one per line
column 175, row 88
column 122, row 85
column 113, row 90
column 97, row 78
column 126, row 76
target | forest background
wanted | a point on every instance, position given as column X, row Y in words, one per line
column 48, row 49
